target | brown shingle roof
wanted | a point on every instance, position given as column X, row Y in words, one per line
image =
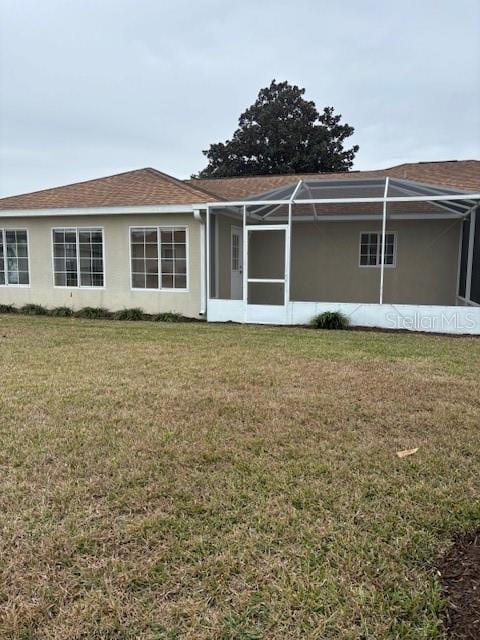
column 151, row 187
column 461, row 174
column 454, row 174
column 141, row 187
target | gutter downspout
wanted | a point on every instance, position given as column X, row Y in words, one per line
column 198, row 217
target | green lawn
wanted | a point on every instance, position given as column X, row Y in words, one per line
column 167, row 481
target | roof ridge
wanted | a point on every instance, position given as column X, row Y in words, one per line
column 182, row 183
column 74, row 184
column 325, row 173
column 424, row 162
column 267, row 175
column 145, row 185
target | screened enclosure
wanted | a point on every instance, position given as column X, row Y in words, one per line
column 379, row 241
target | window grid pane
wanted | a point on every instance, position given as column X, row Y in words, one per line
column 389, row 248
column 14, row 257
column 2, row 260
column 78, row 257
column 174, row 258
column 371, row 249
column 144, row 258
column 235, row 252
column 91, row 257
column 158, row 258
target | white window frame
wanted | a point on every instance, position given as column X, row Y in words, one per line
column 77, row 232
column 159, row 227
column 379, row 250
column 3, row 240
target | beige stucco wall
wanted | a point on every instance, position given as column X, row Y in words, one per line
column 117, row 293
column 325, row 262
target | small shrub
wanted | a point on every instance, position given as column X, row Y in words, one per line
column 33, row 310
column 61, row 312
column 8, row 308
column 330, row 320
column 134, row 314
column 169, row 316
column 93, row 313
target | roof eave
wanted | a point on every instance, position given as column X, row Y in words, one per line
column 90, row 211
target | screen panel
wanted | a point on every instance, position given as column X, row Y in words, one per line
column 464, row 258
column 475, row 288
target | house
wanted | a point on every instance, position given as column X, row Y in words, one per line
column 398, row 247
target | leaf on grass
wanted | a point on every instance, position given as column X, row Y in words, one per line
column 406, row 452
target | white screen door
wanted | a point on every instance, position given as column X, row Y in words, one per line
column 267, row 281
column 236, row 263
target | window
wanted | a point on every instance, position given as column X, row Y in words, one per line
column 158, row 258
column 235, row 251
column 371, row 249
column 14, row 258
column 78, row 257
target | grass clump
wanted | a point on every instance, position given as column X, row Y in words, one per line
column 93, row 313
column 61, row 312
column 169, row 316
column 33, row 310
column 8, row 308
column 332, row 320
column 134, row 314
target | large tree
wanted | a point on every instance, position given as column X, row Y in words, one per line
column 282, row 133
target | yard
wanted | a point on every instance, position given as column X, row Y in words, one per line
column 171, row 481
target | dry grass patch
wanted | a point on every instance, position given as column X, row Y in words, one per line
column 230, row 483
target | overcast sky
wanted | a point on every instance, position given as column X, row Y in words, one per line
column 94, row 87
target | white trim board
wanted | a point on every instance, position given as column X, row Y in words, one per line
column 354, row 217
column 459, row 320
column 99, row 211
column 108, row 211
column 432, row 198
